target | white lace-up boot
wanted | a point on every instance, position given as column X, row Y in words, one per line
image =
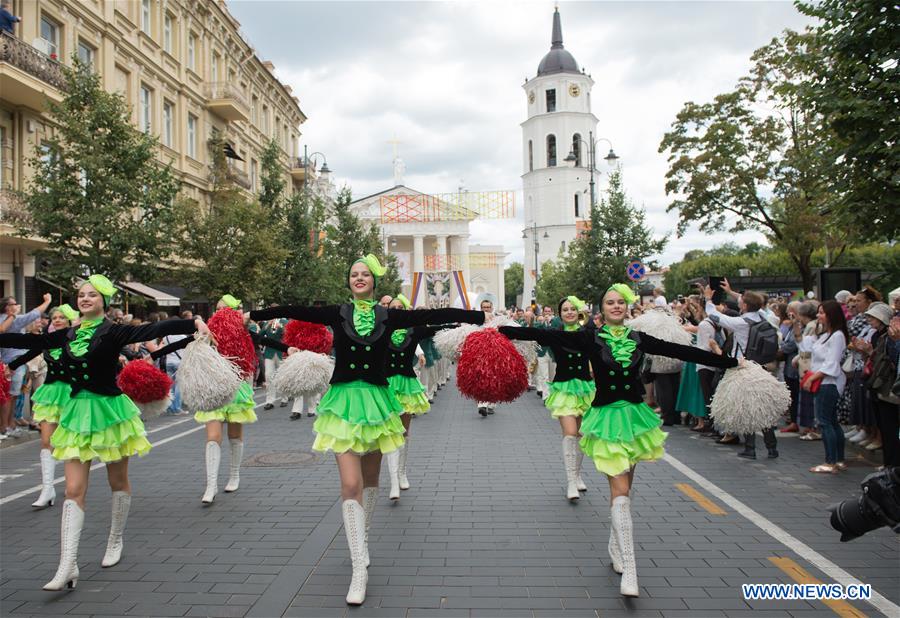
column 70, row 534
column 213, row 455
column 393, row 459
column 121, row 504
column 355, row 529
column 401, row 476
column 570, row 454
column 370, row 496
column 621, row 518
column 234, row 465
column 48, row 493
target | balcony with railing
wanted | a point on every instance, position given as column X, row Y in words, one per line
column 226, row 101
column 298, row 169
column 29, row 77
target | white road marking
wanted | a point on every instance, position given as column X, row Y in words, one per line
column 803, row 550
column 60, row 479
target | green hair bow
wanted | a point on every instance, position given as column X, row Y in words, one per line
column 230, row 301
column 624, row 291
column 577, row 302
column 103, row 285
column 403, row 300
column 373, row 265
column 66, row 310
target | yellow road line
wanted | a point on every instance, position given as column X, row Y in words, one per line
column 801, row 576
column 700, row 499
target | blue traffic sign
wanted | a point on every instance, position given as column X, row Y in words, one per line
column 636, row 270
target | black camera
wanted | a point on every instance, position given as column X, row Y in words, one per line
column 879, row 505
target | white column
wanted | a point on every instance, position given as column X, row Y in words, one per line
column 418, row 253
column 528, row 277
column 501, row 278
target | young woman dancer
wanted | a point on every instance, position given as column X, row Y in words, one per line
column 98, row 421
column 358, row 417
column 619, row 428
column 241, row 410
column 49, row 399
column 572, row 389
column 401, row 376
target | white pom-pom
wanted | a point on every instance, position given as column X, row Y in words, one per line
column 154, row 408
column 302, row 373
column 663, row 325
column 749, row 399
column 449, row 341
column 207, row 380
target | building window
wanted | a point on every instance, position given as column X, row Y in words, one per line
column 192, row 52
column 577, row 211
column 192, row 136
column 254, row 173
column 85, row 54
column 214, row 68
column 562, row 247
column 168, row 119
column 576, row 148
column 254, row 104
column 551, row 100
column 50, row 35
column 265, row 120
column 146, row 109
column 530, row 156
column 551, row 151
column 145, row 17
column 167, row 33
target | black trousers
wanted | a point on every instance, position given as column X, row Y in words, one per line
column 665, row 389
column 768, row 438
column 888, row 421
column 793, row 385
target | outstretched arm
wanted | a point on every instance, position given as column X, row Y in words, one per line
column 42, row 341
column 172, row 347
column 424, row 332
column 399, row 318
column 269, row 342
column 652, row 345
column 146, row 332
column 24, row 358
column 545, row 336
column 316, row 315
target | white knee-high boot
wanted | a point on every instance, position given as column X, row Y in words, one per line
column 48, row 469
column 394, row 472
column 213, row 455
column 234, row 464
column 615, row 554
column 404, row 451
column 370, row 497
column 621, row 518
column 70, row 534
column 570, row 454
column 121, row 504
column 355, row 529
column 579, row 483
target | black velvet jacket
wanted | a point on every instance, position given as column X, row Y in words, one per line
column 56, row 368
column 402, row 358
column 365, row 358
column 183, row 343
column 613, row 381
column 571, row 362
column 96, row 370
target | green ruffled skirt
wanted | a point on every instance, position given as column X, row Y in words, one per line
column 410, row 393
column 360, row 417
column 570, row 398
column 105, row 427
column 618, row 435
column 240, row 410
column 690, row 397
column 48, row 401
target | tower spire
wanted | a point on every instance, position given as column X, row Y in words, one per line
column 556, row 40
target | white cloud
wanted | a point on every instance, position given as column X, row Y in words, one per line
column 445, row 79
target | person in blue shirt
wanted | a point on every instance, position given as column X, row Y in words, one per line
column 7, row 19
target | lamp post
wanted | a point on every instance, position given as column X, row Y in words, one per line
column 610, row 158
column 323, row 170
column 537, row 247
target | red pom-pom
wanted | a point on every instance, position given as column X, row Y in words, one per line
column 232, row 339
column 308, row 336
column 144, row 382
column 4, row 385
column 490, row 368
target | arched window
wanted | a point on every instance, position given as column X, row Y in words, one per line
column 577, row 211
column 576, row 148
column 551, row 150
column 530, row 156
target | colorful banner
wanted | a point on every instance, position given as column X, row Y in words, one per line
column 460, row 282
column 437, row 290
column 416, row 287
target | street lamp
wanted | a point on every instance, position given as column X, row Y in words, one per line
column 324, row 170
column 537, row 247
column 611, row 157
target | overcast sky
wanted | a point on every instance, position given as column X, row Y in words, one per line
column 446, row 79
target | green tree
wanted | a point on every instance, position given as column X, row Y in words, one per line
column 735, row 167
column 230, row 248
column 854, row 82
column 556, row 282
column 618, row 234
column 305, row 277
column 513, row 283
column 271, row 178
column 99, row 195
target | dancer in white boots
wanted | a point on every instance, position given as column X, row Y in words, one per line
column 49, row 399
column 572, row 390
column 619, row 428
column 98, row 421
column 403, row 355
column 238, row 412
column 358, row 418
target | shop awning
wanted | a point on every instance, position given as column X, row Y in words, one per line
column 159, row 297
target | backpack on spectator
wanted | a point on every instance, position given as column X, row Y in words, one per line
column 762, row 342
